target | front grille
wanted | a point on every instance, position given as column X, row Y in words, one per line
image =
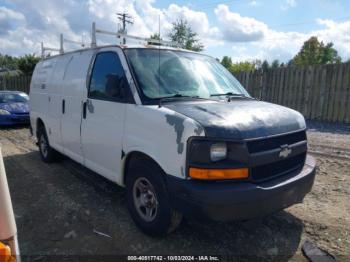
column 278, row 168
column 260, row 145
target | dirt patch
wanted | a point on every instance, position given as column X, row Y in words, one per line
column 58, row 207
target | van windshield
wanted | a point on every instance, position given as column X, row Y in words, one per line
column 166, row 73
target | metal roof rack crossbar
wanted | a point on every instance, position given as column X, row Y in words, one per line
column 94, row 31
column 60, row 50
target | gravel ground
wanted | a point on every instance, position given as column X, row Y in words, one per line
column 59, row 208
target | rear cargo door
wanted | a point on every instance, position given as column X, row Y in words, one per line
column 74, row 92
column 55, row 91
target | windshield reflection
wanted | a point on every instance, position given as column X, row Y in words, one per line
column 166, row 73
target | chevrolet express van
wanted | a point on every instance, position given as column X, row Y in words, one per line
column 174, row 128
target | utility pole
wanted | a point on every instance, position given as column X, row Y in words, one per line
column 125, row 18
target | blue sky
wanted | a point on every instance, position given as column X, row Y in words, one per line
column 242, row 29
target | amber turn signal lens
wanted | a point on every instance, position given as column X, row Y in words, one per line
column 217, row 174
column 5, row 253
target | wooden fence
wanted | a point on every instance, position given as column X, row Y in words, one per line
column 318, row 92
column 19, row 83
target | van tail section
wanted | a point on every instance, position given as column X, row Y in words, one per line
column 9, row 250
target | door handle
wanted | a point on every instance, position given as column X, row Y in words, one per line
column 63, row 106
column 84, row 110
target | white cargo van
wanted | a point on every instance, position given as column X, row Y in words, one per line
column 173, row 127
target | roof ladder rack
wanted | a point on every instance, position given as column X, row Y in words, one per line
column 94, row 31
column 61, row 49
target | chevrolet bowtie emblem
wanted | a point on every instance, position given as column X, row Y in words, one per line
column 285, row 151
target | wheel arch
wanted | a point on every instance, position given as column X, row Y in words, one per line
column 136, row 156
column 39, row 124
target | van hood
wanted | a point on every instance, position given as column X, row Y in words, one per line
column 240, row 119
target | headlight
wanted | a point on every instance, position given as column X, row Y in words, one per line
column 218, row 151
column 4, row 112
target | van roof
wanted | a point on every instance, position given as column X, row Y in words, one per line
column 131, row 46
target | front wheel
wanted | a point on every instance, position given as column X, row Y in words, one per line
column 47, row 154
column 148, row 201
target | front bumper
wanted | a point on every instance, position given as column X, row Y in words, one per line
column 14, row 119
column 233, row 200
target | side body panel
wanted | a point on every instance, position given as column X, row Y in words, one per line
column 39, row 99
column 74, row 93
column 55, row 87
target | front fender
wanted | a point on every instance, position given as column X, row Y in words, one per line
column 161, row 134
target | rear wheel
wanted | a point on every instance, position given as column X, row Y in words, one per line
column 47, row 153
column 148, row 201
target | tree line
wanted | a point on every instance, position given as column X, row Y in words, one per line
column 24, row 64
column 313, row 52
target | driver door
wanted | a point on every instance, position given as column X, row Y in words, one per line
column 103, row 115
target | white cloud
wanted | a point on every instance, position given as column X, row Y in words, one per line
column 74, row 18
column 262, row 42
column 9, row 19
column 253, row 3
column 289, row 4
column 6, row 13
column 337, row 33
column 237, row 28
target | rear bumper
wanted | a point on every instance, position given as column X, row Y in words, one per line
column 14, row 119
column 232, row 200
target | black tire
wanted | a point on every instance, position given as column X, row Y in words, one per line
column 165, row 219
column 47, row 153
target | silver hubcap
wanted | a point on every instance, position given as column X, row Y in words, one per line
column 43, row 145
column 145, row 199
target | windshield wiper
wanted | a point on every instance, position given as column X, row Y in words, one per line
column 176, row 96
column 230, row 94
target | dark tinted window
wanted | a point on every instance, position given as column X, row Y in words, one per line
column 108, row 80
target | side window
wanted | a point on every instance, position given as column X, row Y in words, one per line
column 108, row 81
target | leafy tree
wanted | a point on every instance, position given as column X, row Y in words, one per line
column 265, row 65
column 8, row 62
column 27, row 63
column 182, row 33
column 242, row 66
column 155, row 36
column 275, row 64
column 330, row 55
column 314, row 52
column 257, row 63
column 290, row 62
column 226, row 62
